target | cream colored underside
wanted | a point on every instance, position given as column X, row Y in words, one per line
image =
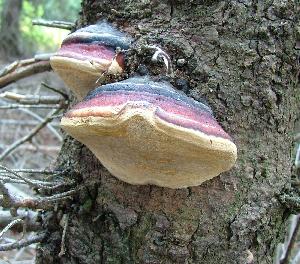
column 83, row 76
column 139, row 148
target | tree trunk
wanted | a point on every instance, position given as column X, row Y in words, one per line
column 10, row 28
column 240, row 57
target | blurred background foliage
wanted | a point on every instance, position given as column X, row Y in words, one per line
column 31, row 39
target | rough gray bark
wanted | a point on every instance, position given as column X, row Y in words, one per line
column 240, row 57
column 10, row 31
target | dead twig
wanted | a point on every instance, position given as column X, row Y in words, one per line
column 18, row 63
column 31, row 218
column 10, row 200
column 11, row 224
column 7, row 178
column 41, row 171
column 33, row 99
column 23, row 242
column 296, row 259
column 290, row 239
column 9, row 68
column 43, row 57
column 30, row 135
column 39, row 118
column 55, row 90
column 58, row 116
column 10, row 176
column 19, row 70
column 60, row 196
column 42, row 148
column 15, row 122
column 55, row 24
column 297, row 158
column 62, row 246
column 18, row 106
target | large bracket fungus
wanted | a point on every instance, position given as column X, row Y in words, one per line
column 146, row 132
column 88, row 53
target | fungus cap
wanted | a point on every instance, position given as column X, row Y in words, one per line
column 86, row 54
column 146, row 132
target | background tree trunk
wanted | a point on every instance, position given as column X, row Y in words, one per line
column 240, row 57
column 10, row 28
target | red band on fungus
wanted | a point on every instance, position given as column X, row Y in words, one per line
column 167, row 109
column 83, row 51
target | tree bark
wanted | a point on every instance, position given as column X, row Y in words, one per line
column 240, row 57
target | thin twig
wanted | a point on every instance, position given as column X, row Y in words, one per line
column 25, row 227
column 14, row 122
column 297, row 158
column 40, row 184
column 31, row 218
column 43, row 57
column 9, row 68
column 11, row 224
column 44, row 202
column 18, row 106
column 292, row 239
column 62, row 247
column 39, row 171
column 55, row 90
column 23, row 242
column 296, row 259
column 58, row 116
column 10, row 200
column 22, row 71
column 14, row 177
column 33, row 99
column 59, row 196
column 32, row 183
column 55, row 24
column 30, row 135
column 16, row 64
column 39, row 118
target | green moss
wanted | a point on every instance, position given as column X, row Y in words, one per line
column 263, row 33
column 265, row 169
column 115, row 242
column 137, row 235
column 105, row 196
column 233, row 208
column 87, row 206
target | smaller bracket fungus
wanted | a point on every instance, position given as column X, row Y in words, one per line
column 88, row 53
column 146, row 132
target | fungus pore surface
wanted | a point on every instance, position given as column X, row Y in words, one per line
column 146, row 132
column 86, row 54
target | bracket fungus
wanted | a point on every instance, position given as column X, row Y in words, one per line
column 88, row 53
column 146, row 132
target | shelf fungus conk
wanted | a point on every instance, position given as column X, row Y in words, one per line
column 146, row 132
column 88, row 53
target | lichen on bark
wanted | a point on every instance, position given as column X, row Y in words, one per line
column 240, row 57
